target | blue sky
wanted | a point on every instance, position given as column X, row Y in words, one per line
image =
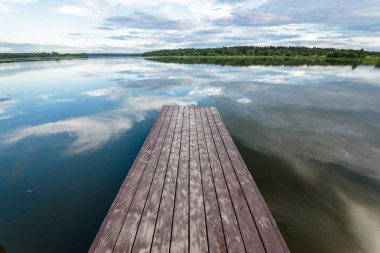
column 137, row 25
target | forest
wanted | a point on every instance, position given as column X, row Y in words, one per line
column 19, row 57
column 43, row 54
column 264, row 51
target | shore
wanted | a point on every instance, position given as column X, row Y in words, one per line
column 9, row 58
column 240, row 60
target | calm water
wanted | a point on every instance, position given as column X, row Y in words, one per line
column 69, row 131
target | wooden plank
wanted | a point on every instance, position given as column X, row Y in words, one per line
column 105, row 239
column 198, row 232
column 252, row 240
column 145, row 231
column 189, row 190
column 231, row 229
column 180, row 230
column 127, row 234
column 271, row 236
column 215, row 232
column 162, row 234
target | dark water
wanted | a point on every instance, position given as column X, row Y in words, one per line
column 70, row 130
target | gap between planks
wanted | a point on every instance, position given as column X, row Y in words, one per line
column 189, row 190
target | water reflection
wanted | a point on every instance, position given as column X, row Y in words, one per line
column 91, row 132
column 5, row 103
column 263, row 61
column 310, row 135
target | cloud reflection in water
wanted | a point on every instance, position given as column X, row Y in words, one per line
column 317, row 129
column 91, row 132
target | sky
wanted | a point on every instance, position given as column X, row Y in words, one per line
column 135, row 26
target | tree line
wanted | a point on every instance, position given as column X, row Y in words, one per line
column 40, row 55
column 263, row 51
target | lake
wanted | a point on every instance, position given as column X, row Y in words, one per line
column 70, row 130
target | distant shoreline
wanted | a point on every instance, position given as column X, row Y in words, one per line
column 30, row 57
column 234, row 56
column 235, row 60
column 251, row 55
column 264, row 51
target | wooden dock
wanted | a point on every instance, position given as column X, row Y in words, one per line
column 189, row 190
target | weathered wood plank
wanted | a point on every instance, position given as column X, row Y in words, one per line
column 127, row 234
column 251, row 237
column 231, row 229
column 145, row 231
column 215, row 232
column 189, row 190
column 180, row 230
column 271, row 236
column 198, row 233
column 105, row 239
column 162, row 234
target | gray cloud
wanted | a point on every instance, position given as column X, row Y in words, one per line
column 142, row 20
column 207, row 31
column 104, row 27
column 288, row 23
column 122, row 37
column 3, row 99
column 252, row 17
column 343, row 24
column 352, row 13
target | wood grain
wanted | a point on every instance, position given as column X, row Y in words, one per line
column 189, row 190
column 251, row 237
column 231, row 228
column 180, row 230
column 215, row 232
column 145, row 231
column 105, row 239
column 128, row 232
column 198, row 232
column 162, row 234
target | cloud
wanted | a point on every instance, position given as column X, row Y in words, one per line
column 329, row 125
column 49, row 98
column 6, row 103
column 104, row 28
column 143, row 20
column 2, row 99
column 161, row 24
column 122, row 37
column 305, row 11
column 10, row 47
column 30, row 47
column 19, row 1
column 252, row 18
column 5, row 8
column 244, row 100
column 208, row 31
column 206, row 91
column 73, row 10
column 78, row 35
column 137, row 105
column 90, row 133
column 7, row 5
